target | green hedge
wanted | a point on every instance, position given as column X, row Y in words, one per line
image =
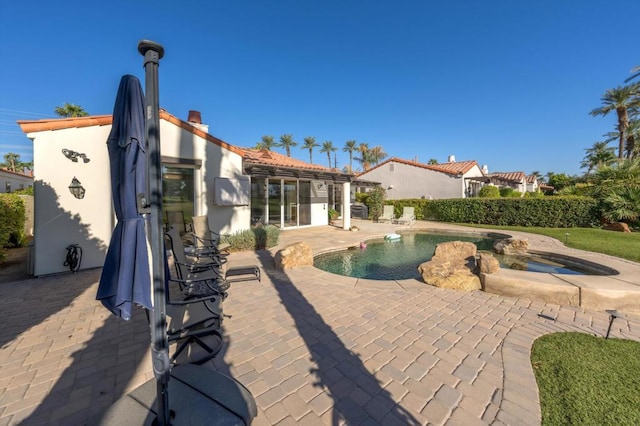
column 256, row 238
column 12, row 223
column 549, row 212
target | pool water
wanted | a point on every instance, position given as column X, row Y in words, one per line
column 391, row 260
column 399, row 259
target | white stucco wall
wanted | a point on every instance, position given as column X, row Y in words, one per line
column 415, row 182
column 60, row 219
column 14, row 180
column 216, row 162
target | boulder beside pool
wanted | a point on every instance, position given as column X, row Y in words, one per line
column 452, row 267
column 294, row 255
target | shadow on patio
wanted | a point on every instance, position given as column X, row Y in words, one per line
column 339, row 371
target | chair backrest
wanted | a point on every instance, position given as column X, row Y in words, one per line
column 201, row 227
column 174, row 243
column 387, row 211
column 175, row 218
column 408, row 212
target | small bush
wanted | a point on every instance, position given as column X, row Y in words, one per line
column 536, row 194
column 256, row 238
column 489, row 191
column 508, row 192
column 375, row 202
column 12, row 223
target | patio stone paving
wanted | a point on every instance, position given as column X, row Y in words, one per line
column 313, row 347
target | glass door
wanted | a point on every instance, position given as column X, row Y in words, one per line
column 274, row 203
column 304, row 205
column 290, row 203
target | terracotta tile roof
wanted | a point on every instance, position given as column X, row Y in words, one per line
column 509, row 176
column 252, row 156
column 30, row 175
column 270, row 158
column 532, row 178
column 454, row 168
column 30, row 126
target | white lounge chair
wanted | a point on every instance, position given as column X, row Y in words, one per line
column 408, row 216
column 387, row 214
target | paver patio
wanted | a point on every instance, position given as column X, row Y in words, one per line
column 313, row 347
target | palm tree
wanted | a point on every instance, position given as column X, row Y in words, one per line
column 71, row 110
column 266, row 143
column 286, row 142
column 621, row 100
column 635, row 72
column 327, row 146
column 310, row 143
column 600, row 154
column 365, row 158
column 631, row 135
column 350, row 146
column 432, row 161
column 377, row 154
column 11, row 160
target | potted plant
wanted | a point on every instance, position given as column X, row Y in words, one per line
column 333, row 215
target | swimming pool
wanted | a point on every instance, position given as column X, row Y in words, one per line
column 399, row 259
column 392, row 260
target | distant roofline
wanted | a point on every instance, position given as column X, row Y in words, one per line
column 435, row 167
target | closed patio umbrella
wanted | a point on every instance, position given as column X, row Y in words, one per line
column 125, row 278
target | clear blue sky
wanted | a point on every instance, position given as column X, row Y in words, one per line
column 507, row 83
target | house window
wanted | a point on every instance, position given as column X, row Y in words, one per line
column 178, row 190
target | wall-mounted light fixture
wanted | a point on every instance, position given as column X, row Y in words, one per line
column 76, row 189
column 73, row 155
column 390, row 187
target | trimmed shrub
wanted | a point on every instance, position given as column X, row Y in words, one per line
column 550, row 212
column 256, row 238
column 507, row 192
column 12, row 223
column 375, row 202
column 489, row 191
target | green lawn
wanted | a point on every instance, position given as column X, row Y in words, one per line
column 626, row 246
column 587, row 380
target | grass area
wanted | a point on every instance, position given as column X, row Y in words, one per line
column 624, row 245
column 587, row 380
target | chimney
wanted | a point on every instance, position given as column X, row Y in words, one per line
column 452, row 159
column 485, row 169
column 195, row 119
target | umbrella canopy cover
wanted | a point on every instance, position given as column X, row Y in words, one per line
column 125, row 278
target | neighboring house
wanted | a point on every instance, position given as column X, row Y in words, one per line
column 410, row 179
column 515, row 180
column 532, row 183
column 14, row 181
column 202, row 175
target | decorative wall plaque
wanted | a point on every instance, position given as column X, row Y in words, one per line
column 73, row 155
column 77, row 189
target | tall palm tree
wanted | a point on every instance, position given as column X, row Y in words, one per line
column 621, row 100
column 266, row 143
column 350, row 146
column 365, row 158
column 635, row 73
column 71, row 110
column 12, row 161
column 310, row 143
column 377, row 154
column 600, row 154
column 327, row 146
column 286, row 142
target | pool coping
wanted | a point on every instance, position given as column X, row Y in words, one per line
column 619, row 291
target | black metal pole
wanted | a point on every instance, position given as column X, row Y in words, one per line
column 152, row 53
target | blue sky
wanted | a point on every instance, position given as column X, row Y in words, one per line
column 507, row 83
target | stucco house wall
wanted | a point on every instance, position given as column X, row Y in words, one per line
column 10, row 181
column 61, row 219
column 402, row 180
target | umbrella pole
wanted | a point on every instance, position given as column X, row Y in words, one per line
column 152, row 53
